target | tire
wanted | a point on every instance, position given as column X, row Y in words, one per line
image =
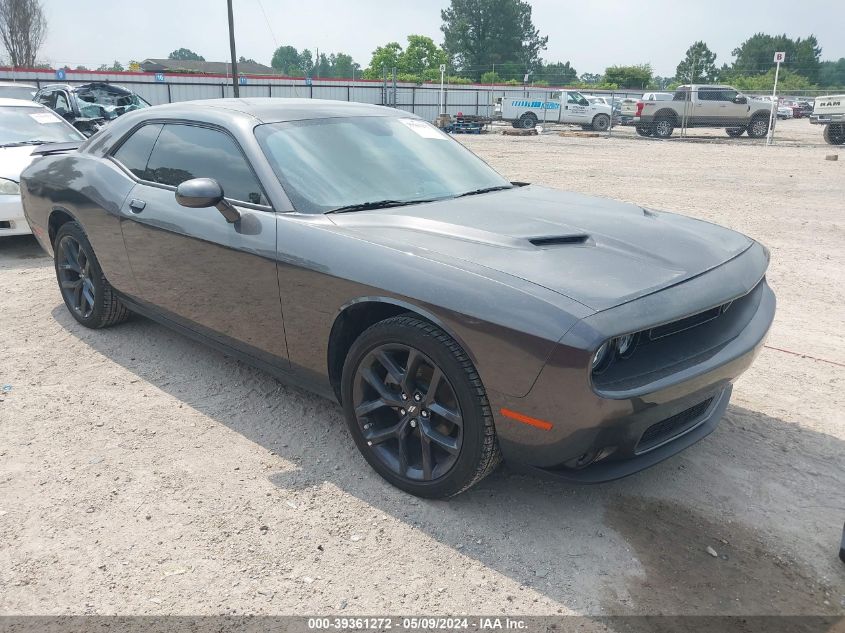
column 759, row 127
column 601, row 122
column 644, row 131
column 379, row 393
column 663, row 128
column 86, row 292
column 834, row 133
column 735, row 132
column 527, row 121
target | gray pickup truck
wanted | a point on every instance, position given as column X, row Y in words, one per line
column 704, row 106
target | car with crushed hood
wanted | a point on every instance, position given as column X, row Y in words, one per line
column 23, row 126
column 89, row 107
column 361, row 253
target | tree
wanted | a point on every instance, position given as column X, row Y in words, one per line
column 116, row 67
column 698, row 65
column 754, row 56
column 420, row 55
column 384, row 57
column 23, row 28
column 81, row 68
column 832, row 74
column 558, row 74
column 491, row 78
column 133, row 65
column 244, row 60
column 638, row 76
column 590, row 78
column 343, row 65
column 306, row 62
column 787, row 81
column 480, row 33
column 185, row 54
column 286, row 60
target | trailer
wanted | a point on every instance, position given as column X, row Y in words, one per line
column 563, row 106
column 830, row 112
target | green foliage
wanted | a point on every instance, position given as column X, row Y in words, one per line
column 81, row 68
column 590, row 78
column 244, row 60
column 417, row 63
column 698, row 65
column 638, row 76
column 541, row 82
column 787, row 81
column 384, row 58
column 557, row 74
column 116, row 67
column 286, row 60
column 491, row 78
column 754, row 56
column 513, row 82
column 479, row 33
column 832, row 74
column 185, row 54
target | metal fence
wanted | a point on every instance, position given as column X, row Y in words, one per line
column 478, row 100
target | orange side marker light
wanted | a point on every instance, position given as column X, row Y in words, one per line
column 526, row 419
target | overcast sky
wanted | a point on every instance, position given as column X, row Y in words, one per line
column 592, row 35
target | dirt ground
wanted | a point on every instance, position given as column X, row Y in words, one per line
column 141, row 473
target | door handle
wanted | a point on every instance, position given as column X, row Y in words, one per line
column 137, row 205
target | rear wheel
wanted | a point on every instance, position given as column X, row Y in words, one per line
column 417, row 410
column 643, row 131
column 527, row 121
column 834, row 133
column 601, row 122
column 734, row 132
column 86, row 292
column 663, row 128
column 759, row 127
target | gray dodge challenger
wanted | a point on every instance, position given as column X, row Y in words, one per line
column 359, row 252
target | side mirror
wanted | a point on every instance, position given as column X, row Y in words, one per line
column 740, row 99
column 201, row 193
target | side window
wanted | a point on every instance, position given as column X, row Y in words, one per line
column 46, row 99
column 708, row 95
column 183, row 152
column 680, row 95
column 62, row 105
column 135, row 151
column 727, row 95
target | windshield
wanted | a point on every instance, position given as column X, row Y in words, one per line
column 324, row 164
column 17, row 92
column 23, row 124
column 98, row 102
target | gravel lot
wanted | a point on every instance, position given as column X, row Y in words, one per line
column 141, row 473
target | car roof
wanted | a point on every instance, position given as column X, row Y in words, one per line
column 271, row 109
column 20, row 103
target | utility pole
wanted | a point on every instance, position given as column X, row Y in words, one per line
column 232, row 49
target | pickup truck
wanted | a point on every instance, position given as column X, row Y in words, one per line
column 704, row 106
column 565, row 106
column 830, row 112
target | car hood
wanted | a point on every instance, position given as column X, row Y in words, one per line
column 13, row 160
column 596, row 251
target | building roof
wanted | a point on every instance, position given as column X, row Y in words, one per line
column 211, row 68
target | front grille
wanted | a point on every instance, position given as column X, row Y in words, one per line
column 671, row 427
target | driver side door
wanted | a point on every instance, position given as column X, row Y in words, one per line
column 576, row 109
column 191, row 265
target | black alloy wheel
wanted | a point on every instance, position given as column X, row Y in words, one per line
column 417, row 410
column 73, row 268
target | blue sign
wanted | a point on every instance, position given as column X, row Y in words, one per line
column 308, row 81
column 60, row 74
column 241, row 80
column 159, row 76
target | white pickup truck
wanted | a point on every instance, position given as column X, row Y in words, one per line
column 830, row 112
column 704, row 106
column 565, row 106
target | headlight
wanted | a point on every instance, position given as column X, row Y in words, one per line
column 601, row 357
column 625, row 345
column 9, row 187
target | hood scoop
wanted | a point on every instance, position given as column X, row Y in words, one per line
column 559, row 240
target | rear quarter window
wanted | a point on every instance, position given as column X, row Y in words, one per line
column 134, row 152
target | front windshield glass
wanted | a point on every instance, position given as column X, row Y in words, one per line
column 24, row 124
column 98, row 102
column 328, row 163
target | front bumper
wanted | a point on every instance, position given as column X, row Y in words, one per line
column 12, row 220
column 599, row 433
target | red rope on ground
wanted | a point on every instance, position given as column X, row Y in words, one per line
column 822, row 360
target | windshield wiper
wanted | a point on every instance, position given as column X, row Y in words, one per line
column 22, row 143
column 475, row 192
column 377, row 204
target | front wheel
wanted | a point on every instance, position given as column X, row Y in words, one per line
column 759, row 127
column 601, row 122
column 734, row 132
column 417, row 410
column 86, row 292
column 834, row 133
column 643, row 131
